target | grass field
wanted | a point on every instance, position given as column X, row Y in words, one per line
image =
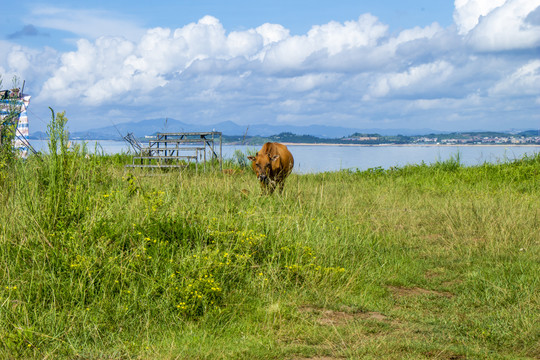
column 420, row 262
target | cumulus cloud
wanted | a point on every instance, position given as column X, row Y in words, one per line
column 495, row 25
column 524, row 81
column 110, row 66
column 18, row 60
column 24, row 63
column 420, row 78
column 417, row 33
column 97, row 72
column 467, row 13
column 534, row 17
column 329, row 40
column 272, row 33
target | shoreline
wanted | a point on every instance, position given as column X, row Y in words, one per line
column 337, row 144
column 404, row 145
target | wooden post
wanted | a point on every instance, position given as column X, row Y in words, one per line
column 220, row 152
column 204, row 156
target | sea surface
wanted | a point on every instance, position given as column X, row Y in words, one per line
column 321, row 158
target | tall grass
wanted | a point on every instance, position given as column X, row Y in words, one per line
column 425, row 261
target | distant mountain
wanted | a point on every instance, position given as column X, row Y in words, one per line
column 152, row 126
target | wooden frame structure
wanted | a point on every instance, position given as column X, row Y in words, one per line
column 176, row 150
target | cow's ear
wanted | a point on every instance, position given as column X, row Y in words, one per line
column 252, row 158
column 274, row 158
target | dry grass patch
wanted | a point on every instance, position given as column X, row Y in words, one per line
column 317, row 358
column 416, row 291
column 444, row 355
column 340, row 318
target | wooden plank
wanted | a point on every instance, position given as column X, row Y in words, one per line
column 176, row 141
column 155, row 166
column 164, row 157
column 195, row 133
column 173, row 148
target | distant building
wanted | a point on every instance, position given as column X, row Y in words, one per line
column 362, row 138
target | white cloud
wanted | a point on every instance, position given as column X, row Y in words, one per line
column 506, row 29
column 92, row 66
column 471, row 101
column 99, row 71
column 18, row 60
column 272, row 33
column 494, row 25
column 6, row 62
column 417, row 33
column 330, row 39
column 307, row 82
column 244, row 43
column 467, row 13
column 335, row 37
column 203, row 39
column 524, row 81
column 417, row 78
column 410, row 42
column 26, row 64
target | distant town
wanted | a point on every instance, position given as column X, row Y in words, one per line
column 466, row 138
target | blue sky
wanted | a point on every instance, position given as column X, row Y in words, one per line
column 462, row 65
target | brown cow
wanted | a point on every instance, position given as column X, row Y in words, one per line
column 272, row 164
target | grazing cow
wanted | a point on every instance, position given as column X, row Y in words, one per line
column 272, row 164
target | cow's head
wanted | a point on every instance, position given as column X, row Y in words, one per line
column 262, row 164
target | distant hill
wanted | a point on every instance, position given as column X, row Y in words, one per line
column 152, row 126
column 529, row 133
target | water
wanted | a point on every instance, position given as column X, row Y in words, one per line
column 105, row 146
column 320, row 158
column 364, row 157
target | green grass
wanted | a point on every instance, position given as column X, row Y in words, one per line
column 438, row 261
